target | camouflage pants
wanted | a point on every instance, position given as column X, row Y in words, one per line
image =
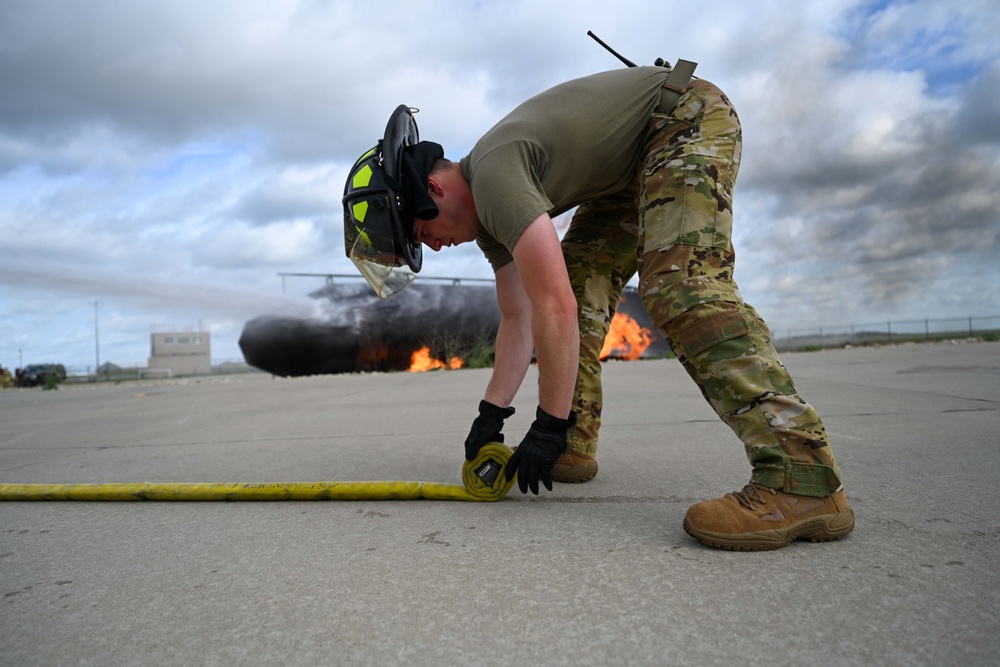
column 675, row 230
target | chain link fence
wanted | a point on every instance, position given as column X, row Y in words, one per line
column 985, row 328
column 889, row 331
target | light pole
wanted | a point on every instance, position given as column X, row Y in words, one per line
column 97, row 342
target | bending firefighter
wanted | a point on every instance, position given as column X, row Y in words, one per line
column 649, row 155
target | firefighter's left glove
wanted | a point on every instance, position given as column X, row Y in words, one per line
column 535, row 457
column 486, row 428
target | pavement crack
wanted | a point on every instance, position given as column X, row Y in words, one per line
column 617, row 499
column 432, row 538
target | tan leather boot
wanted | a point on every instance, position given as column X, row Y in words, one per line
column 758, row 518
column 572, row 468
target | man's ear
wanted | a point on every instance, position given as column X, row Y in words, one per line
column 434, row 187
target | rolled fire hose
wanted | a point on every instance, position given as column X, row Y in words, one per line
column 482, row 480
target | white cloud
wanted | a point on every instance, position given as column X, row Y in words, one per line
column 242, row 246
column 170, row 159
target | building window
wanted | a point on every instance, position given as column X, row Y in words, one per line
column 168, row 340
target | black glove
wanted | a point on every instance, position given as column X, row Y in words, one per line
column 537, row 453
column 486, row 428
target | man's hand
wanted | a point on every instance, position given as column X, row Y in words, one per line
column 538, row 452
column 486, row 428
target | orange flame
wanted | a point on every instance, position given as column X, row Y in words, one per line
column 626, row 339
column 421, row 361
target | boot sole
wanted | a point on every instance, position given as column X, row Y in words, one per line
column 824, row 528
column 574, row 474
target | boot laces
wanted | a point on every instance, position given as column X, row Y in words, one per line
column 750, row 493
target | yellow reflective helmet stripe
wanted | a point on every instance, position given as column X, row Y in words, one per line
column 364, row 157
column 360, row 210
column 362, row 177
column 363, row 236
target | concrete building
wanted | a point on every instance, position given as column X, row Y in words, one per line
column 176, row 353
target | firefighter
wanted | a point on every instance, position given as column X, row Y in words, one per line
column 648, row 157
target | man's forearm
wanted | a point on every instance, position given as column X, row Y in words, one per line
column 557, row 349
column 513, row 356
column 538, row 258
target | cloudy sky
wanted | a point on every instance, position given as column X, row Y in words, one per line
column 168, row 160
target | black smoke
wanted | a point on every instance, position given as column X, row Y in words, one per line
column 361, row 333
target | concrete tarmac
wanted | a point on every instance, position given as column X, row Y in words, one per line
column 590, row 574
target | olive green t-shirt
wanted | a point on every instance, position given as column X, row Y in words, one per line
column 577, row 142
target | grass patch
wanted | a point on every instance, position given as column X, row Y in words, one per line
column 477, row 352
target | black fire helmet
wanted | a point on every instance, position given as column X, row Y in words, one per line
column 385, row 190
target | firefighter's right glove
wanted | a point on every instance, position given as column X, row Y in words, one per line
column 486, row 428
column 535, row 457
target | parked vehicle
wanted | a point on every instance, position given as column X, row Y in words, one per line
column 34, row 375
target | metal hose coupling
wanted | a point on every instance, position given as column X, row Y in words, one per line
column 482, row 475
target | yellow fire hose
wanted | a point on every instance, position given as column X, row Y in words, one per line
column 482, row 480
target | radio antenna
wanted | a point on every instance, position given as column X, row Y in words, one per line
column 613, row 52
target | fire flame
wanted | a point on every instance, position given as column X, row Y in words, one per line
column 626, row 339
column 421, row 361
